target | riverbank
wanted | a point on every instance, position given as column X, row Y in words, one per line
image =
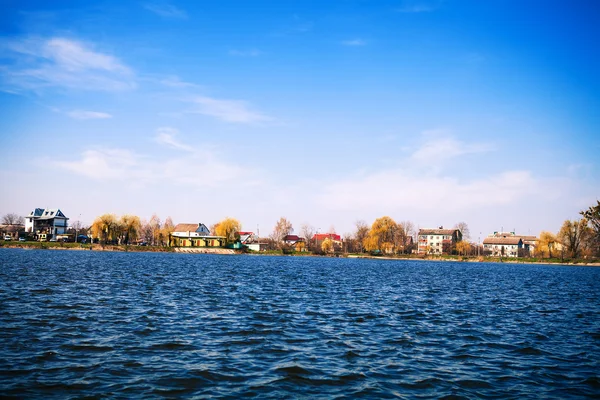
column 208, row 250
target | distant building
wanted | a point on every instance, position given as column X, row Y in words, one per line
column 508, row 246
column 45, row 224
column 295, row 241
column 529, row 243
column 335, row 239
column 194, row 235
column 438, row 241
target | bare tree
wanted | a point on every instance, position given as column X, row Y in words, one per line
column 362, row 231
column 13, row 219
column 307, row 231
column 573, row 235
column 282, row 228
column 464, row 229
column 592, row 214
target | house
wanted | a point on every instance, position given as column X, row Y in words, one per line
column 295, row 241
column 438, row 241
column 529, row 242
column 45, row 224
column 335, row 238
column 194, row 235
column 508, row 246
column 248, row 237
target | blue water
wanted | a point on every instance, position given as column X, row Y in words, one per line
column 90, row 324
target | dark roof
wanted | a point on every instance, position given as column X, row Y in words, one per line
column 292, row 238
column 502, row 240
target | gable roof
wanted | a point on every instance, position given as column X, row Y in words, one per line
column 189, row 227
column 48, row 213
column 323, row 236
column 292, row 238
column 502, row 240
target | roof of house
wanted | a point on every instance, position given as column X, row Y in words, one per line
column 188, row 227
column 323, row 236
column 48, row 213
column 502, row 240
column 437, row 231
column 292, row 238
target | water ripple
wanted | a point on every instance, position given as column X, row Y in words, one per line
column 97, row 325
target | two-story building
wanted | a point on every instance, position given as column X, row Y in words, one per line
column 438, row 241
column 46, row 224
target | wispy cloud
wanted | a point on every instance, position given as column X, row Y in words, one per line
column 59, row 62
column 174, row 81
column 235, row 111
column 438, row 146
column 354, row 42
column 168, row 136
column 166, row 10
column 82, row 114
column 245, row 53
column 117, row 164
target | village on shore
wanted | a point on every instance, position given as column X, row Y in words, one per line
column 575, row 240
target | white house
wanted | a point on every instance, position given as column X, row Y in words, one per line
column 45, row 224
column 438, row 241
column 507, row 246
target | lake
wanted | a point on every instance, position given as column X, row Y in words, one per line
column 92, row 324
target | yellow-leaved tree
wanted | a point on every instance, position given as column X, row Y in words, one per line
column 383, row 236
column 229, row 228
column 104, row 227
column 131, row 228
column 327, row 245
column 546, row 244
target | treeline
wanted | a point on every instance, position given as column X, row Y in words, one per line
column 130, row 229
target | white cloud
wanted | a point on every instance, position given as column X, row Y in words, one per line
column 354, row 42
column 438, row 146
column 106, row 164
column 166, row 10
column 82, row 114
column 60, row 62
column 167, row 136
column 245, row 53
column 235, row 111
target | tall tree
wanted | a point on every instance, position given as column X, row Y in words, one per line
column 546, row 244
column 592, row 214
column 282, row 228
column 131, row 228
column 361, row 233
column 104, row 227
column 382, row 235
column 229, row 228
column 166, row 230
column 307, row 231
column 464, row 229
column 573, row 234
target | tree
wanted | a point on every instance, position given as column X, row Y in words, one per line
column 282, row 228
column 407, row 230
column 131, row 227
column 592, row 214
column 166, row 230
column 464, row 229
column 572, row 235
column 546, row 244
column 362, row 231
column 327, row 245
column 104, row 227
column 307, row 231
column 229, row 228
column 383, row 235
column 13, row 219
column 463, row 247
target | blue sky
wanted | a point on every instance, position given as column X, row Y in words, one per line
column 323, row 112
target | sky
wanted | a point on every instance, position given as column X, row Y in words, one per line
column 322, row 112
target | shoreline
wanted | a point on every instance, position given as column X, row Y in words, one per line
column 222, row 251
